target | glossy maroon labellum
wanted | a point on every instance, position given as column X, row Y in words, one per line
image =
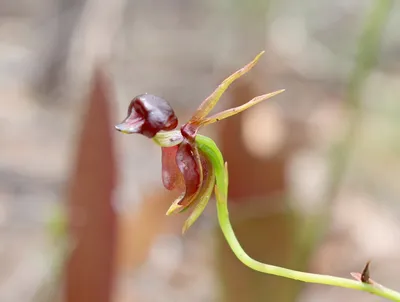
column 148, row 114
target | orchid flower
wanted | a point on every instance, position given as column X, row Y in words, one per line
column 194, row 164
column 184, row 166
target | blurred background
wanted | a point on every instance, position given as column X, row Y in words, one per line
column 314, row 172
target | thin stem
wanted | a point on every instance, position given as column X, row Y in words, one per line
column 226, row 227
column 210, row 149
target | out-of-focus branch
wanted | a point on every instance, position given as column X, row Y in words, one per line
column 51, row 68
column 368, row 49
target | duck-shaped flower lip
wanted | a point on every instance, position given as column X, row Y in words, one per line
column 183, row 166
column 148, row 114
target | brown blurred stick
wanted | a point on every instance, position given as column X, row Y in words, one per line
column 92, row 221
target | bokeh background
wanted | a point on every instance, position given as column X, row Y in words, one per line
column 314, row 172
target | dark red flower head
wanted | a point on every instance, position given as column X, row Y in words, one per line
column 148, row 114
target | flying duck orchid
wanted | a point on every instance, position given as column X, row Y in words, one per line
column 193, row 163
column 184, row 165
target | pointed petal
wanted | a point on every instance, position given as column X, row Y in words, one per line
column 209, row 103
column 171, row 176
column 227, row 113
column 203, row 197
column 175, row 207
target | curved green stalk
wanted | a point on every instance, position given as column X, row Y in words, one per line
column 210, row 149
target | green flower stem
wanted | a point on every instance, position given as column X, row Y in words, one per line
column 210, row 149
